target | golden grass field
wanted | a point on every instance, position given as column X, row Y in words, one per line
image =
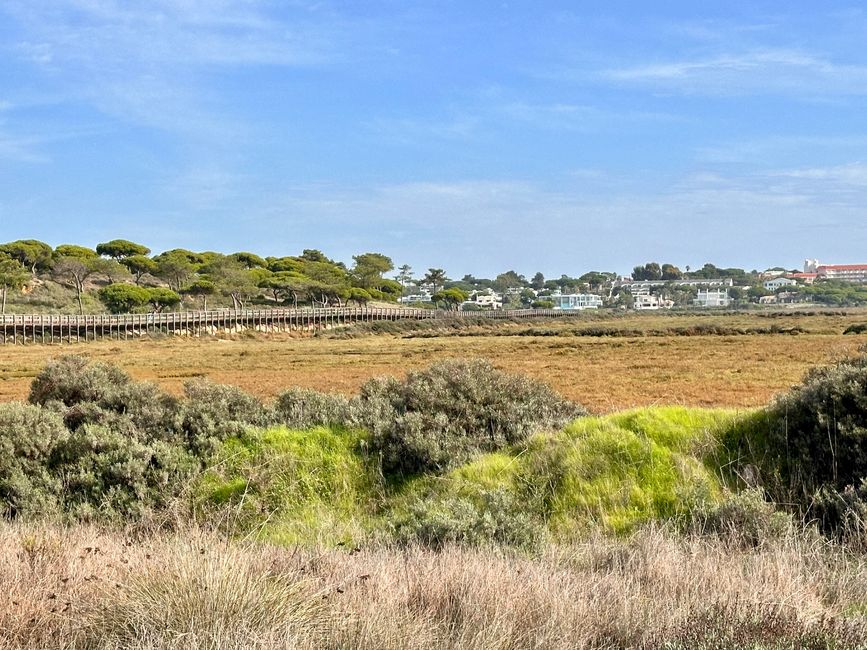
column 603, row 373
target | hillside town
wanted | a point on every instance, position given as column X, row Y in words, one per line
column 654, row 287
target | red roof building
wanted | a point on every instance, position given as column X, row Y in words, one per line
column 846, row 272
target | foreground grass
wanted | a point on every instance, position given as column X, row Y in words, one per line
column 610, row 473
column 84, row 587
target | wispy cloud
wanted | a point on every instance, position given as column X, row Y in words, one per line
column 411, row 131
column 466, row 225
column 187, row 33
column 147, row 63
column 584, row 118
column 853, row 174
column 753, row 71
column 20, row 149
column 497, row 117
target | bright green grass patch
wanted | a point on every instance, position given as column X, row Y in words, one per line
column 617, row 472
column 610, row 473
column 289, row 486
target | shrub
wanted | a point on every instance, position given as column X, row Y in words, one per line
column 843, row 514
column 212, row 413
column 73, row 379
column 439, row 417
column 301, row 408
column 29, row 438
column 87, row 391
column 493, row 517
column 291, row 486
column 817, row 433
column 124, row 298
column 619, row 471
column 110, row 474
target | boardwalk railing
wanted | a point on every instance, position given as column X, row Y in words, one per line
column 46, row 328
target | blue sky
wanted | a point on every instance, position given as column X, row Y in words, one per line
column 477, row 136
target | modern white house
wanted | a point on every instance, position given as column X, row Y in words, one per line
column 575, row 301
column 778, row 283
column 712, row 298
column 487, row 299
column 646, row 301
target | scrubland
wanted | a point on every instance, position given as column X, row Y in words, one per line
column 456, row 505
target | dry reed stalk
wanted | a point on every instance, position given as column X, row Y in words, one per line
column 191, row 590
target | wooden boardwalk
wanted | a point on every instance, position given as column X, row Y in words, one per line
column 46, row 328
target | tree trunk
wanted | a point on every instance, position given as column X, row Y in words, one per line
column 79, row 289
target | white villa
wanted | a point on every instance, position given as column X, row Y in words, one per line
column 778, row 283
column 487, row 299
column 712, row 298
column 646, row 301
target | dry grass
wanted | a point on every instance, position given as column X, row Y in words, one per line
column 604, row 373
column 86, row 588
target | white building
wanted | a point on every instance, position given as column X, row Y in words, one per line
column 574, row 301
column 418, row 297
column 643, row 287
column 844, row 272
column 646, row 301
column 778, row 283
column 487, row 299
column 712, row 298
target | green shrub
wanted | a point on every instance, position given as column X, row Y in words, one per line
column 817, row 433
column 301, row 408
column 29, row 439
column 211, row 413
column 492, row 517
column 73, row 379
column 439, row 417
column 124, row 298
column 109, row 474
column 842, row 514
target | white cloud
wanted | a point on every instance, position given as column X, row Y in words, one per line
column 853, row 175
column 473, row 226
column 752, row 71
column 147, row 63
column 20, row 149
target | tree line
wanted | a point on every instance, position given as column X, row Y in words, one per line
column 129, row 278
